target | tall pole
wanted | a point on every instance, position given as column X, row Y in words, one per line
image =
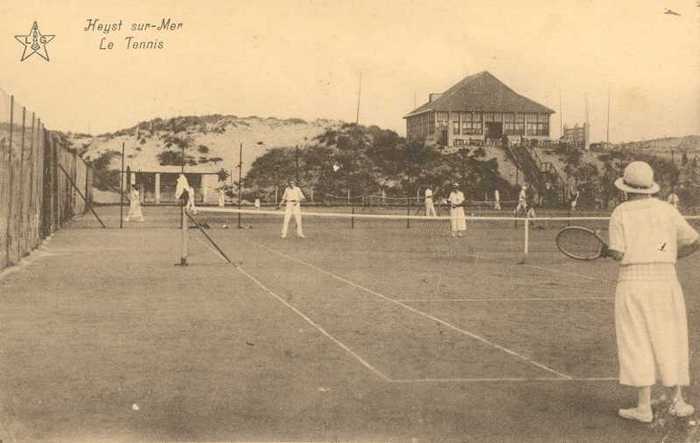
column 607, row 131
column 182, row 203
column 240, row 183
column 561, row 117
column 296, row 159
column 121, row 192
column 587, row 128
column 359, row 94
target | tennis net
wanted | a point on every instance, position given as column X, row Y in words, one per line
column 496, row 238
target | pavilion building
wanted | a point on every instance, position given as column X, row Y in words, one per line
column 479, row 109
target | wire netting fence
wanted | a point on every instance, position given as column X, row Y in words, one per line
column 38, row 180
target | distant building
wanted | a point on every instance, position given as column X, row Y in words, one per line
column 158, row 186
column 478, row 109
column 577, row 136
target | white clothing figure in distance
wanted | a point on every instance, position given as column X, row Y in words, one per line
column 647, row 236
column 522, row 201
column 257, row 203
column 496, row 200
column 135, row 213
column 429, row 205
column 574, row 200
column 673, row 199
column 458, row 222
column 292, row 198
column 222, row 196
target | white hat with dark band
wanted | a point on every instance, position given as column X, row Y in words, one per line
column 637, row 179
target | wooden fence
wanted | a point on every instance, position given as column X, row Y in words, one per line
column 36, row 195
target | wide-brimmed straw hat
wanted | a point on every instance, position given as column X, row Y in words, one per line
column 637, row 179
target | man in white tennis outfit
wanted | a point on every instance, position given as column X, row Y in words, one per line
column 292, row 197
column 647, row 236
column 429, row 205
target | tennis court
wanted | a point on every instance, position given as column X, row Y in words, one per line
column 367, row 330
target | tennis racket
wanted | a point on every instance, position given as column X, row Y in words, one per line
column 581, row 243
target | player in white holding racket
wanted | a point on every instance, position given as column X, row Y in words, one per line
column 647, row 236
column 292, row 198
column 429, row 205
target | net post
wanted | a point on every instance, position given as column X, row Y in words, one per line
column 526, row 248
column 408, row 212
column 183, row 238
column 352, row 219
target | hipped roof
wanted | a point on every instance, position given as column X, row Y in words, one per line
column 481, row 92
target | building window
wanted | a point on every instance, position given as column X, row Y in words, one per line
column 497, row 117
column 455, row 126
column 471, row 123
column 519, row 124
column 488, row 117
column 542, row 125
column 431, row 122
column 442, row 119
column 509, row 123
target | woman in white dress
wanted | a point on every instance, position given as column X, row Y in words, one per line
column 458, row 222
column 135, row 213
column 647, row 236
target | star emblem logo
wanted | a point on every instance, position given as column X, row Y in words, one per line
column 34, row 43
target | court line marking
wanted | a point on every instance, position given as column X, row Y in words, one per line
column 495, row 299
column 559, row 271
column 305, row 318
column 498, row 379
column 419, row 312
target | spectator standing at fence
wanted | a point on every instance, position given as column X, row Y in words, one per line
column 574, row 200
column 292, row 199
column 496, row 200
column 458, row 222
column 521, row 208
column 651, row 324
column 222, row 195
column 135, row 213
column 673, row 199
column 429, row 204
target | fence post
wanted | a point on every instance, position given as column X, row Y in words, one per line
column 32, row 183
column 20, row 213
column 8, row 234
column 56, row 185
column 46, row 188
column 88, row 185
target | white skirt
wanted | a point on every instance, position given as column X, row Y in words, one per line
column 651, row 326
column 457, row 220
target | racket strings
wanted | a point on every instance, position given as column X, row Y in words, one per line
column 579, row 243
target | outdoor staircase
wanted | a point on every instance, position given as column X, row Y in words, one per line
column 538, row 172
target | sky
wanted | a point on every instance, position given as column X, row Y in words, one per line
column 304, row 59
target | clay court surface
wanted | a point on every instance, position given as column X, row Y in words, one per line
column 377, row 333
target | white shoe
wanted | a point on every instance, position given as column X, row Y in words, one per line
column 681, row 409
column 283, row 236
column 644, row 416
column 301, row 236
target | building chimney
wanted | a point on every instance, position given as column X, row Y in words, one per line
column 434, row 96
